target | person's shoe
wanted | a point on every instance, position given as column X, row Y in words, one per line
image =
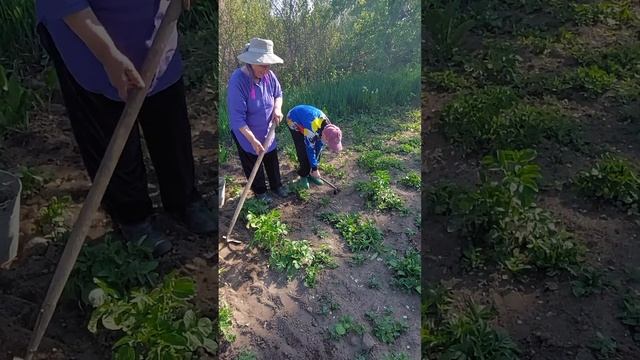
column 304, row 182
column 199, row 219
column 147, row 235
column 315, row 180
column 264, row 197
column 281, row 192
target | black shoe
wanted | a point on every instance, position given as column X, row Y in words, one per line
column 199, row 219
column 147, row 235
column 264, row 197
column 282, row 191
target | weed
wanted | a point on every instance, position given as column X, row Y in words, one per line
column 609, row 12
column 446, row 29
column 590, row 281
column 378, row 192
column 359, row 234
column 498, row 66
column 373, row 283
column 327, row 305
column 223, row 154
column 303, row 194
column 631, row 313
column 269, row 230
column 612, row 179
column 412, row 179
column 157, row 323
column 604, row 346
column 333, row 171
column 292, row 256
column 51, row 222
column 374, row 160
column 123, row 266
column 591, row 80
column 447, row 80
column 345, row 325
column 385, row 327
column 290, row 152
column 254, row 206
column 399, row 356
column 32, row 180
column 15, row 102
column 358, row 259
column 406, row 270
column 247, row 355
column 225, row 322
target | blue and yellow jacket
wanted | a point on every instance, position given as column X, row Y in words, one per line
column 309, row 121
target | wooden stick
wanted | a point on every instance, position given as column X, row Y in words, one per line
column 267, row 142
column 107, row 165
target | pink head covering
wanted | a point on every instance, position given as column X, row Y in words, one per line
column 333, row 135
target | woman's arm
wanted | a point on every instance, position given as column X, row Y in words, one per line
column 121, row 71
column 277, row 110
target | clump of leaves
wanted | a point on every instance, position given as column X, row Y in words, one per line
column 374, row 160
column 122, row 265
column 345, row 325
column 51, row 222
column 360, row 234
column 448, row 333
column 499, row 65
column 269, row 230
column 494, row 118
column 292, row 256
column 501, row 217
column 302, row 193
column 247, row 355
column 385, row 327
column 412, row 179
column 32, row 180
column 604, row 346
column 631, row 313
column 589, row 281
column 15, row 101
column 591, row 80
column 447, row 80
column 157, row 324
column 254, row 206
column 378, row 192
column 612, row 179
column 225, row 322
column 622, row 61
column 406, row 270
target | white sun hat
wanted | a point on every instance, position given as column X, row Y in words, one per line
column 260, row 52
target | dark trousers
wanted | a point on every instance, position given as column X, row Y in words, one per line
column 270, row 164
column 304, row 167
column 167, row 134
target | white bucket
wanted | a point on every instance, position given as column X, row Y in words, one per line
column 10, row 189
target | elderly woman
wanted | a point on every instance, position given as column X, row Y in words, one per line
column 254, row 100
column 311, row 130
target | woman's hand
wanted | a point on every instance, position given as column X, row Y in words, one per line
column 277, row 116
column 257, row 147
column 122, row 74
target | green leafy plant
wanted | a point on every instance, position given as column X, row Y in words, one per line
column 592, row 80
column 406, row 270
column 123, row 266
column 247, row 355
column 51, row 222
column 412, row 179
column 374, row 160
column 385, row 327
column 225, row 322
column 446, row 28
column 589, row 281
column 631, row 313
column 269, row 230
column 373, row 283
column 32, row 180
column 345, row 325
column 157, row 324
column 15, row 103
column 605, row 347
column 612, row 179
column 292, row 256
column 360, row 234
column 254, row 206
column 447, row 80
column 378, row 192
column 399, row 356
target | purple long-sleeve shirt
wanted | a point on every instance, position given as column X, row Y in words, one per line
column 132, row 26
column 252, row 104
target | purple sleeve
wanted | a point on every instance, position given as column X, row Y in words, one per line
column 54, row 10
column 277, row 90
column 236, row 104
